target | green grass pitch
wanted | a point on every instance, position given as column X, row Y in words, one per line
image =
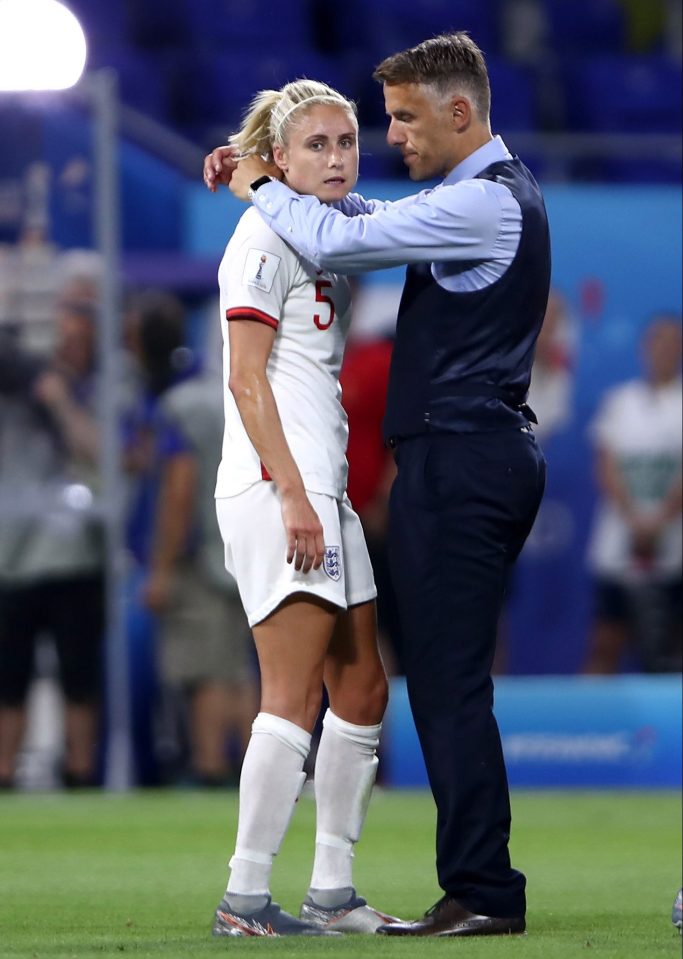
column 140, row 875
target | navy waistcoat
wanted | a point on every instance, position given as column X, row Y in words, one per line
column 462, row 361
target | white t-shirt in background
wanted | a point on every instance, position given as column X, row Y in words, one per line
column 641, row 426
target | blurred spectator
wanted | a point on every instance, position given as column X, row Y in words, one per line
column 80, row 274
column 364, row 378
column 51, row 547
column 523, row 30
column 174, row 446
column 550, row 394
column 635, row 549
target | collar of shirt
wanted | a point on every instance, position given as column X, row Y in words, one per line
column 492, row 152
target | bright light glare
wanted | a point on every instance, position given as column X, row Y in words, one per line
column 42, row 46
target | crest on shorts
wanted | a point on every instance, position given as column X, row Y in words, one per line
column 332, row 564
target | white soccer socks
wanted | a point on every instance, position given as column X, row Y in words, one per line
column 270, row 783
column 345, row 771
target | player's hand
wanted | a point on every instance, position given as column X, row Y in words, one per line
column 248, row 169
column 219, row 165
column 305, row 541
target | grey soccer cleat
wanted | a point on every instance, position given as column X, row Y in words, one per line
column 677, row 912
column 354, row 916
column 268, row 921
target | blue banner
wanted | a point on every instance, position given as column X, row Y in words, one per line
column 589, row 732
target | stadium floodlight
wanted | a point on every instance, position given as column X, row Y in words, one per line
column 42, row 46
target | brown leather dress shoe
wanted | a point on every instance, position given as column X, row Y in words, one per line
column 448, row 918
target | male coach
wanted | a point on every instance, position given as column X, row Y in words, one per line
column 470, row 473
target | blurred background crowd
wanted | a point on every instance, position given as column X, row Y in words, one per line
column 589, row 67
column 589, row 93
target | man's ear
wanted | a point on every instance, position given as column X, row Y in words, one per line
column 280, row 158
column 461, row 113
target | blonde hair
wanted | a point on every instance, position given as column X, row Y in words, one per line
column 272, row 113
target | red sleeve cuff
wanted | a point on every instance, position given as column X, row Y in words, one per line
column 250, row 313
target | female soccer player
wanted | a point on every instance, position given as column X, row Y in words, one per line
column 292, row 540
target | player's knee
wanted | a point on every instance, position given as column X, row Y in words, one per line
column 299, row 706
column 363, row 703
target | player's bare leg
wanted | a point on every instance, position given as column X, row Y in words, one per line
column 292, row 644
column 354, row 675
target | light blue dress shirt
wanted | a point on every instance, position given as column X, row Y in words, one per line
column 467, row 228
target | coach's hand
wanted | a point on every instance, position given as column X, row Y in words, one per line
column 248, row 169
column 219, row 166
column 305, row 542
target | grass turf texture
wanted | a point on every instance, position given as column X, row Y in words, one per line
column 140, row 875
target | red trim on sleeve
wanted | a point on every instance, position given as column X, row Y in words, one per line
column 265, row 474
column 250, row 313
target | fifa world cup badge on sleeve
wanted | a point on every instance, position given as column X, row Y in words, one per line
column 332, row 564
column 259, row 269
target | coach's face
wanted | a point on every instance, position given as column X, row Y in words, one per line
column 425, row 127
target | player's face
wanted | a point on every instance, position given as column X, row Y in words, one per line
column 420, row 125
column 321, row 155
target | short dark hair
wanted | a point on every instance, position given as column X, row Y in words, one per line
column 451, row 60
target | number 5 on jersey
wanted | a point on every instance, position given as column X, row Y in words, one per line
column 320, row 297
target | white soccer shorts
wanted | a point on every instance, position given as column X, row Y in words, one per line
column 256, row 552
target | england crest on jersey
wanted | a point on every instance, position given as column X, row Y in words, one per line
column 332, row 564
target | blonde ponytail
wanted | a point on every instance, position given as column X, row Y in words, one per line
column 254, row 134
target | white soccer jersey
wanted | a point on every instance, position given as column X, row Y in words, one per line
column 262, row 278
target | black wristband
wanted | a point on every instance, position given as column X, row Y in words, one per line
column 253, row 187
